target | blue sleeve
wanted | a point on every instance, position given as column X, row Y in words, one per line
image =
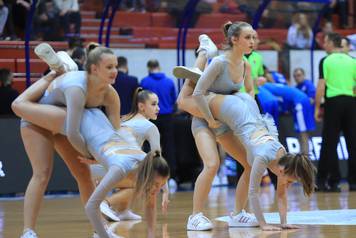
column 311, row 89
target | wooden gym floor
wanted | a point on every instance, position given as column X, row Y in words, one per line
column 64, row 217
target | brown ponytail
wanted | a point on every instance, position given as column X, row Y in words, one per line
column 300, row 167
column 153, row 164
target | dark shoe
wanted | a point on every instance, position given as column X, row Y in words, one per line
column 321, row 187
column 352, row 187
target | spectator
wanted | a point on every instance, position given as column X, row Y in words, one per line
column 79, row 57
column 346, row 45
column 298, row 103
column 337, row 81
column 176, row 9
column 300, row 34
column 45, row 20
column 7, row 93
column 69, row 13
column 125, row 85
column 340, row 7
column 303, row 84
column 327, row 28
column 160, row 84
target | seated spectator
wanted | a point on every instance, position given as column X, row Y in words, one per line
column 327, row 28
column 176, row 9
column 7, row 93
column 300, row 35
column 303, row 84
column 68, row 14
column 79, row 57
column 45, row 20
column 125, row 85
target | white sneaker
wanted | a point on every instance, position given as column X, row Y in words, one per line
column 55, row 60
column 128, row 215
column 208, row 45
column 28, row 233
column 48, row 55
column 108, row 212
column 243, row 219
column 199, row 222
column 183, row 72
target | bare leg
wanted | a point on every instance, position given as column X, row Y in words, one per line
column 39, row 148
column 185, row 101
column 121, row 200
column 304, row 142
column 233, row 146
column 206, row 144
column 79, row 171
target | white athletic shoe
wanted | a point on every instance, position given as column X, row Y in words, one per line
column 55, row 60
column 208, row 45
column 109, row 213
column 128, row 215
column 199, row 222
column 183, row 72
column 243, row 219
column 28, row 233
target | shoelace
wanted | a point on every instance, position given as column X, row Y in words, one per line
column 198, row 219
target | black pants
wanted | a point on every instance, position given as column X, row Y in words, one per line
column 164, row 123
column 339, row 115
column 71, row 17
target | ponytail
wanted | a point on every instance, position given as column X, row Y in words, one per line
column 153, row 164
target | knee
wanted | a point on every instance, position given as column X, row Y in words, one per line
column 180, row 103
column 16, row 106
column 42, row 176
column 212, row 167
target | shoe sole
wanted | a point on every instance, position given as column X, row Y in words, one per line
column 184, row 73
column 192, row 229
column 41, row 51
column 243, row 225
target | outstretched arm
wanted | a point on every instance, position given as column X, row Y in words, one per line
column 258, row 168
column 151, row 216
